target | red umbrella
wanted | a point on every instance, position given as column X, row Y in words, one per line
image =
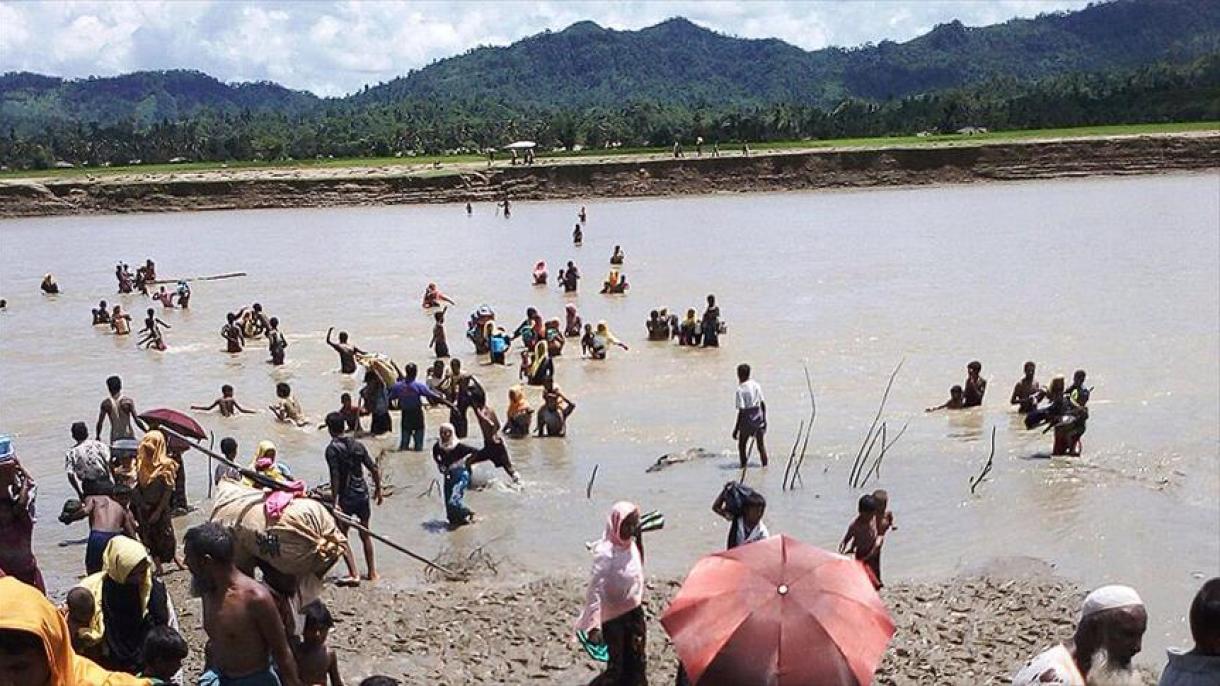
column 778, row 613
column 176, row 421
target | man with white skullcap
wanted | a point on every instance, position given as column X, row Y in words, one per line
column 1109, row 634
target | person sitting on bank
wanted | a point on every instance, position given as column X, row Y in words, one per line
column 1109, row 635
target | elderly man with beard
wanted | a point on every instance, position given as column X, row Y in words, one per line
column 245, row 632
column 1109, row 635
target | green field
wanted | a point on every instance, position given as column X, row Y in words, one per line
column 770, row 146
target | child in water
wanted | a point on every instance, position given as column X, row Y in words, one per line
column 226, row 402
column 315, row 661
column 438, row 344
column 152, row 325
column 120, row 321
column 286, row 409
column 861, row 537
column 956, row 401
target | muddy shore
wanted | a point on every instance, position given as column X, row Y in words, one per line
column 610, row 176
column 972, row 630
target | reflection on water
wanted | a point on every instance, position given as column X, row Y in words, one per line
column 1117, row 276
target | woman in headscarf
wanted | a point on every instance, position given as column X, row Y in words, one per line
column 128, row 603
column 554, row 337
column 607, row 338
column 266, row 463
column 541, row 367
column 689, row 331
column 34, row 635
column 540, row 273
column 572, row 326
column 156, row 474
column 451, row 458
column 614, row 612
column 519, row 413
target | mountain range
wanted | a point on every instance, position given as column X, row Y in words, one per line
column 675, row 63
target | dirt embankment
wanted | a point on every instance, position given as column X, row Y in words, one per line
column 611, row 176
column 968, row 631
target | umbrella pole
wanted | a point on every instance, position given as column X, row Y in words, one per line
column 267, row 482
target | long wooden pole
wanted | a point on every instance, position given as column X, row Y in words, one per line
column 267, row 482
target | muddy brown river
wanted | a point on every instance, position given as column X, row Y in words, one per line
column 1118, row 276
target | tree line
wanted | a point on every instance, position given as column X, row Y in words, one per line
column 1158, row 93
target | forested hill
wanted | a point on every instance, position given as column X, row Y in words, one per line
column 673, row 63
column 678, row 62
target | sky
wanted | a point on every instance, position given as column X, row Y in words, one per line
column 335, row 47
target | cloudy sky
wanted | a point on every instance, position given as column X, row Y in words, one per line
column 334, row 47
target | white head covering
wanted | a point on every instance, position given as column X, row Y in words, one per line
column 1109, row 598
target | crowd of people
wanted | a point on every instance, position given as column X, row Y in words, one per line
column 119, row 625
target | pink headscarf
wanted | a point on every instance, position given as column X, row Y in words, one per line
column 616, row 586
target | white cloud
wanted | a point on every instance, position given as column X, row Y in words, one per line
column 333, row 47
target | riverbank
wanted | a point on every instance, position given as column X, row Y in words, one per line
column 611, row 176
column 971, row 630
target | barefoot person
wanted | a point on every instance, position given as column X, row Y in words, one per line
column 347, row 351
column 245, row 633
column 614, row 601
column 451, row 457
column 1109, row 635
column 751, row 415
column 346, row 459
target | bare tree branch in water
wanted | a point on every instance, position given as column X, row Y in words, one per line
column 860, row 456
column 974, row 483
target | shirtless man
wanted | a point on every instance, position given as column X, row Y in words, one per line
column 107, row 519
column 975, row 386
column 276, row 343
column 493, row 449
column 120, row 410
column 152, row 331
column 347, row 351
column 232, row 333
column 226, row 402
column 1027, row 392
column 101, row 315
column 261, row 322
column 120, row 321
column 245, row 632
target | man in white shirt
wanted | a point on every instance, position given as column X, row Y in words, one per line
column 751, row 415
column 1110, row 633
column 87, row 463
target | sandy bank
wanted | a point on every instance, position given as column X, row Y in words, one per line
column 611, row 176
column 972, row 630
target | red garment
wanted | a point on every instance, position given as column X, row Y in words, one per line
column 16, row 556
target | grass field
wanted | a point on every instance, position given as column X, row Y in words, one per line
column 769, row 146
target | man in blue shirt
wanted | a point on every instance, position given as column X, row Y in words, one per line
column 409, row 393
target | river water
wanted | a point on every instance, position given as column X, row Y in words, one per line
column 1117, row 276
